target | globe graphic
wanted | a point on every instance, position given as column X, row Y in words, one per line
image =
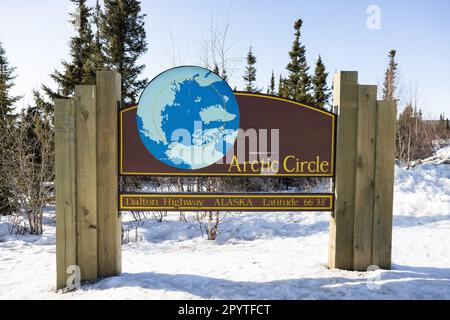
column 188, row 118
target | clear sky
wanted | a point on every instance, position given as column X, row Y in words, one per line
column 35, row 35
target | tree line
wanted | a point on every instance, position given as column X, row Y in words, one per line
column 108, row 37
column 415, row 136
column 111, row 36
column 298, row 85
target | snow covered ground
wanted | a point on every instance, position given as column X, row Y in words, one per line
column 257, row 256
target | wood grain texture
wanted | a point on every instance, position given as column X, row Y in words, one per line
column 109, row 220
column 364, row 177
column 85, row 109
column 384, row 183
column 65, row 183
column 345, row 96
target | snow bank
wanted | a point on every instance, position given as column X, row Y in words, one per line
column 422, row 192
column 256, row 256
column 442, row 156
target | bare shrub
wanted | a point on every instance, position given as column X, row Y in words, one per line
column 18, row 226
column 216, row 48
column 413, row 139
column 26, row 165
column 208, row 222
column 130, row 233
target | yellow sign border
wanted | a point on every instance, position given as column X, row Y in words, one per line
column 277, row 208
column 195, row 174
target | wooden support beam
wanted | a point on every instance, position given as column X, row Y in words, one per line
column 386, row 125
column 109, row 222
column 65, row 183
column 341, row 225
column 364, row 177
column 85, row 109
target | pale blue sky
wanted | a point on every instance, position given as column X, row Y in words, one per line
column 35, row 35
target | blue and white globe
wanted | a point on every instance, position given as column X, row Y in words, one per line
column 188, row 118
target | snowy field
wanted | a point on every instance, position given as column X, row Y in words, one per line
column 257, row 256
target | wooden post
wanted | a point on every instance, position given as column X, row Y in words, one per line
column 109, row 226
column 85, row 109
column 384, row 183
column 341, row 224
column 364, row 177
column 65, row 172
column 361, row 225
column 88, row 226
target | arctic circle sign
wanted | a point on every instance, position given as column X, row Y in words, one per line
column 189, row 122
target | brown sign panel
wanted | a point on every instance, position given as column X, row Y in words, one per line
column 277, row 137
column 226, row 202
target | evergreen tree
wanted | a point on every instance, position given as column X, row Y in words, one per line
column 41, row 105
column 390, row 78
column 271, row 88
column 80, row 69
column 7, row 101
column 224, row 74
column 298, row 81
column 442, row 120
column 443, row 123
column 250, row 72
column 220, row 72
column 39, row 134
column 98, row 58
column 29, row 164
column 123, row 33
column 413, row 142
column 7, row 77
column 321, row 91
column 282, row 87
column 216, row 69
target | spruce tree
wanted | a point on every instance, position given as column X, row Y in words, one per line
column 7, row 118
column 124, row 37
column 250, row 72
column 221, row 72
column 216, row 69
column 413, row 141
column 98, row 60
column 442, row 120
column 80, row 69
column 271, row 88
column 390, row 78
column 298, row 81
column 7, row 77
column 321, row 91
column 39, row 116
column 282, row 90
column 280, row 84
column 224, row 74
